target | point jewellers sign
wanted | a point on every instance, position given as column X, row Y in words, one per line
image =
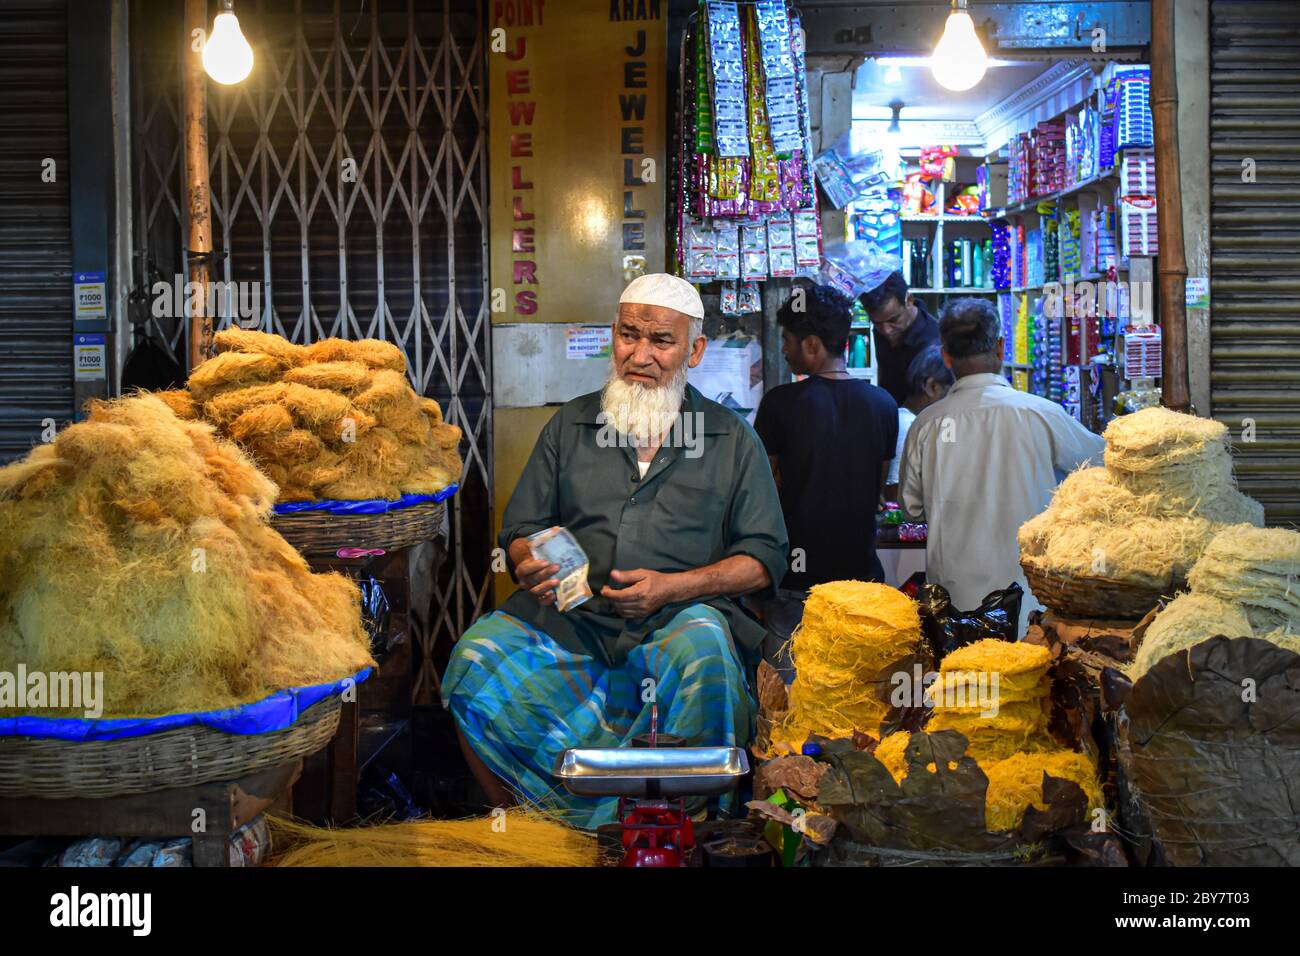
column 577, row 146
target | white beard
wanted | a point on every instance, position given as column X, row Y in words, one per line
column 644, row 413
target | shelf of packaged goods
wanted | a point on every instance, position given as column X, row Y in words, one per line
column 948, row 218
column 1017, row 208
column 1095, row 276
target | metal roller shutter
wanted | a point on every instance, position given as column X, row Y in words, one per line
column 1255, row 245
column 35, row 236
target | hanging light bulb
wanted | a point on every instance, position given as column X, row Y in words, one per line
column 895, row 130
column 959, row 60
column 892, row 141
column 226, row 55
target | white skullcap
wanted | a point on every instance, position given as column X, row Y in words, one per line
column 659, row 288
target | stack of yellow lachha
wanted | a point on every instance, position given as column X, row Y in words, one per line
column 852, row 635
column 336, row 419
column 996, row 694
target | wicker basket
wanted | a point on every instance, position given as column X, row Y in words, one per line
column 1086, row 596
column 319, row 534
column 185, row 757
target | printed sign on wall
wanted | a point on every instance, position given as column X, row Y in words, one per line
column 577, row 145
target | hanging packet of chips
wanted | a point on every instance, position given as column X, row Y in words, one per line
column 701, row 253
column 780, row 247
column 765, row 170
column 727, row 249
column 753, row 250
column 729, row 299
column 778, row 68
column 807, row 239
column 728, row 77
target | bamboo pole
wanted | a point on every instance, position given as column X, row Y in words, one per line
column 198, row 200
column 1169, row 217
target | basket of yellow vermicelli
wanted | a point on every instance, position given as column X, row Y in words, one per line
column 1116, row 539
column 1208, row 732
column 165, row 633
column 360, row 459
column 872, row 757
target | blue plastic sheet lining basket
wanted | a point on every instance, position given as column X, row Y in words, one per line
column 59, row 757
column 321, row 528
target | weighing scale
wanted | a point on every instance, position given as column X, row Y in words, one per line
column 652, row 784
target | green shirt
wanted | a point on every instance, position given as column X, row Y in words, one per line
column 697, row 504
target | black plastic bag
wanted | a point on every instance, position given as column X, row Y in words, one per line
column 374, row 615
column 947, row 628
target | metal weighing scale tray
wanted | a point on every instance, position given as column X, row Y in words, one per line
column 651, row 772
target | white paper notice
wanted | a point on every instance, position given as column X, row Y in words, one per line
column 588, row 343
column 731, row 373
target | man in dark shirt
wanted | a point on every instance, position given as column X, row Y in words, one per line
column 830, row 438
column 672, row 500
column 902, row 330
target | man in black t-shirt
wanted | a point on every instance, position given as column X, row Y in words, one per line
column 902, row 330
column 830, row 438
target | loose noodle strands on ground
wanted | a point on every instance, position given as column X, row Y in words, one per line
column 515, row 838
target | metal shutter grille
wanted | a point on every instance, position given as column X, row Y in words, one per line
column 1255, row 245
column 399, row 255
column 35, row 236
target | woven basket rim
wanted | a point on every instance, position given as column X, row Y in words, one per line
column 335, row 687
column 1092, row 580
column 322, row 517
column 50, row 768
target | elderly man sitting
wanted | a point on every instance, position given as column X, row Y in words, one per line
column 672, row 498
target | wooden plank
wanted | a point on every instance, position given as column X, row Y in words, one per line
column 343, row 765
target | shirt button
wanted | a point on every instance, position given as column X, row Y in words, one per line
column 632, row 500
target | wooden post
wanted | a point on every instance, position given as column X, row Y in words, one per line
column 1169, row 215
column 198, row 201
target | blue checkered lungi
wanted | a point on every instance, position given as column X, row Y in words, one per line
column 521, row 700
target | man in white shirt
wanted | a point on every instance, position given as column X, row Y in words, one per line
column 984, row 460
column 928, row 380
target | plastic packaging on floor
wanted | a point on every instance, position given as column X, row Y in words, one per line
column 248, row 847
